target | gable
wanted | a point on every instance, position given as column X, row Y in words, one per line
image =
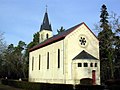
column 84, row 55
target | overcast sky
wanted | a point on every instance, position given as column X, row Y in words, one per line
column 20, row 19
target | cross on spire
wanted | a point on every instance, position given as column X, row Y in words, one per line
column 46, row 8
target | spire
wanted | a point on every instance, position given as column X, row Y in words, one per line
column 45, row 25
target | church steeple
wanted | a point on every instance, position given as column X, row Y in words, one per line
column 45, row 25
column 45, row 29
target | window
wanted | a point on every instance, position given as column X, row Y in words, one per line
column 85, row 64
column 58, row 58
column 39, row 61
column 82, row 41
column 48, row 60
column 32, row 63
column 42, row 37
column 79, row 64
column 47, row 36
column 91, row 64
column 95, row 64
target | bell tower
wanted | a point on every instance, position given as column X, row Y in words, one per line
column 45, row 29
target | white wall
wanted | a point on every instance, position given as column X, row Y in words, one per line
column 74, row 48
column 79, row 73
column 53, row 74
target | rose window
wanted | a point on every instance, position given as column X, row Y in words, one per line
column 82, row 41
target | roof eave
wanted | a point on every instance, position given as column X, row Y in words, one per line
column 45, row 44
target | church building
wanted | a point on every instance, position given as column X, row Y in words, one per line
column 65, row 58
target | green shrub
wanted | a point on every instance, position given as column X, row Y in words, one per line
column 25, row 79
column 45, row 86
column 36, row 86
column 22, row 84
column 89, row 87
column 86, row 81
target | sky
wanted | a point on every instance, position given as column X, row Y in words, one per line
column 20, row 19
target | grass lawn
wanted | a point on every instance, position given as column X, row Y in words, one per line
column 6, row 87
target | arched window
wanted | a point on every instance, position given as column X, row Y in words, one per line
column 39, row 61
column 95, row 64
column 91, row 64
column 47, row 60
column 32, row 63
column 42, row 37
column 58, row 58
column 47, row 36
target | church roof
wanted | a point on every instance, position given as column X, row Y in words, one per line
column 57, row 37
column 45, row 25
column 84, row 55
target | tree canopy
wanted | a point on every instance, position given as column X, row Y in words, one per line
column 109, row 41
column 60, row 30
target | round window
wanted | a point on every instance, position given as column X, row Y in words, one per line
column 83, row 40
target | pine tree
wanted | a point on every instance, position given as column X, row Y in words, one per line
column 104, row 16
column 106, row 45
column 60, row 30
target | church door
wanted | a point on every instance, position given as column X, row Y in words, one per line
column 94, row 77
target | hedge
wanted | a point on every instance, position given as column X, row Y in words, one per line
column 36, row 86
column 89, row 87
column 46, row 86
column 86, row 81
column 23, row 84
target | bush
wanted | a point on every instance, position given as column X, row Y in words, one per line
column 45, row 86
column 86, row 81
column 36, row 86
column 89, row 87
column 22, row 84
column 25, row 79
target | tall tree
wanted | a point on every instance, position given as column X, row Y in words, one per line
column 60, row 30
column 14, row 61
column 2, row 49
column 104, row 17
column 106, row 37
column 8, row 61
column 34, row 42
column 2, row 43
column 115, row 24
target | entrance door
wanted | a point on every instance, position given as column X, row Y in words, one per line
column 94, row 77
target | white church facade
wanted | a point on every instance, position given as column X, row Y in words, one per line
column 65, row 58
